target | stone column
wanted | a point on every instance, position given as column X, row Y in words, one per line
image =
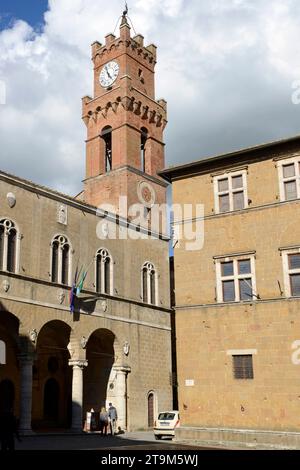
column 120, row 394
column 77, row 392
column 26, row 363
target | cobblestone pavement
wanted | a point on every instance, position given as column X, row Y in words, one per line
column 142, row 440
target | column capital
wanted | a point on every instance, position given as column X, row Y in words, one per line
column 81, row 363
column 124, row 369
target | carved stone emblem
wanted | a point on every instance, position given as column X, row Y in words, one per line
column 83, row 342
column 62, row 214
column 146, row 194
column 11, row 199
column 5, row 285
column 126, row 348
column 103, row 305
column 61, row 297
column 33, row 335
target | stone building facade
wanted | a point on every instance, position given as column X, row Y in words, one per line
column 238, row 296
column 56, row 364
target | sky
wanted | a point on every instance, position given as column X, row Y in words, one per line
column 226, row 68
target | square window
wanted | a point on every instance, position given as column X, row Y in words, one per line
column 243, row 366
column 290, row 190
column 223, row 185
column 227, row 268
column 228, row 291
column 237, row 182
column 294, row 261
column 238, row 200
column 295, row 284
column 288, row 170
column 245, row 286
column 244, row 266
column 224, row 203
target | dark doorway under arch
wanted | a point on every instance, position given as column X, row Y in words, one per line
column 7, row 395
column 51, row 401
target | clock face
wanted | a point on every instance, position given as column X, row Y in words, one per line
column 108, row 74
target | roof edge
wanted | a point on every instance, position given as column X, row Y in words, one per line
column 171, row 171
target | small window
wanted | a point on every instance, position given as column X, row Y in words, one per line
column 230, row 192
column 144, row 137
column 106, row 135
column 104, row 272
column 289, row 179
column 60, row 260
column 149, row 284
column 8, row 246
column 243, row 366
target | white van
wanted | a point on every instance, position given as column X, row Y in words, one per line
column 166, row 423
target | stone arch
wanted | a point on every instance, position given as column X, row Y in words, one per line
column 103, row 352
column 51, row 366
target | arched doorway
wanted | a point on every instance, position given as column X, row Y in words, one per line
column 150, row 410
column 52, row 377
column 51, row 401
column 7, row 395
column 100, row 354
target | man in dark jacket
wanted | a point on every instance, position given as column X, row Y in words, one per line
column 113, row 416
column 8, row 430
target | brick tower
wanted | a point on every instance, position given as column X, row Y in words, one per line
column 124, row 147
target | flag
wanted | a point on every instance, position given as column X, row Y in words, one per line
column 72, row 297
column 81, row 282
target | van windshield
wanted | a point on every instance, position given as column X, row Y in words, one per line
column 166, row 416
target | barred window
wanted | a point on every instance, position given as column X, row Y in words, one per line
column 9, row 245
column 60, row 260
column 243, row 366
column 104, row 272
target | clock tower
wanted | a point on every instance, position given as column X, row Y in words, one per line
column 125, row 123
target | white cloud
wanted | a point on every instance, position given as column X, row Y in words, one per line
column 225, row 67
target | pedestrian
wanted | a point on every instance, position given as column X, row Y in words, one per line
column 103, row 420
column 8, row 430
column 113, row 416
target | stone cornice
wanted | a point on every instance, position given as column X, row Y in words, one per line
column 90, row 293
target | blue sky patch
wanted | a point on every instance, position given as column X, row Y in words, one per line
column 31, row 11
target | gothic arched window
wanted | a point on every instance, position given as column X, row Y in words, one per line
column 144, row 136
column 104, row 272
column 9, row 246
column 60, row 260
column 149, row 284
column 106, row 136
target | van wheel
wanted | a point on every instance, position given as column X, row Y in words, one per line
column 157, row 437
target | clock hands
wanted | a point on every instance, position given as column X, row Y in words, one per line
column 107, row 72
